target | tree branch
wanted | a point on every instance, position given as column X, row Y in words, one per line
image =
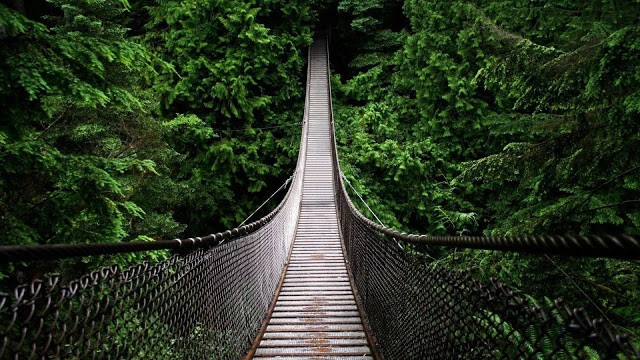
column 611, row 205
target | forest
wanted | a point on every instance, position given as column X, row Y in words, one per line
column 128, row 120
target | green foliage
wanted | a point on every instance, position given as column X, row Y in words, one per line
column 238, row 68
column 103, row 140
column 387, row 148
column 76, row 125
column 500, row 118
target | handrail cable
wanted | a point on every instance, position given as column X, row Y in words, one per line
column 17, row 253
column 374, row 214
column 360, row 197
column 260, row 128
column 614, row 246
column 266, row 201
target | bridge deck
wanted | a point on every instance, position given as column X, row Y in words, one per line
column 316, row 315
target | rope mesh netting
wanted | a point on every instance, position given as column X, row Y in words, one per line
column 424, row 311
column 207, row 304
column 417, row 310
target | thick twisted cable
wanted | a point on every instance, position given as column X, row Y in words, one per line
column 613, row 246
column 17, row 253
column 620, row 246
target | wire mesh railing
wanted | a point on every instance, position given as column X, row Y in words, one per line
column 207, row 304
column 207, row 301
column 417, row 310
column 425, row 311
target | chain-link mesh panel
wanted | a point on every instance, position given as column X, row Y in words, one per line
column 422, row 311
column 208, row 304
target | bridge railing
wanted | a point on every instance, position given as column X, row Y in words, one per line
column 417, row 310
column 208, row 301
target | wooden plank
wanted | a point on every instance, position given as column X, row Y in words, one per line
column 314, row 342
column 315, row 350
column 315, row 334
column 316, row 315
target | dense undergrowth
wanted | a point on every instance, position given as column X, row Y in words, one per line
column 145, row 120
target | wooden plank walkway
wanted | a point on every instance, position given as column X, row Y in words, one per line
column 316, row 315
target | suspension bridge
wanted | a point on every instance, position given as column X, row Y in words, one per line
column 313, row 279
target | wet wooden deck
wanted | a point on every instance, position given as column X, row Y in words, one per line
column 316, row 315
